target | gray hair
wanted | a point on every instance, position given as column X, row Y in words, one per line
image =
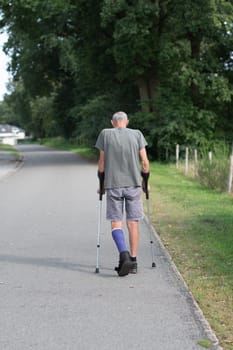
column 119, row 116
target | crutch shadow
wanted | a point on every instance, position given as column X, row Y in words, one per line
column 106, row 272
column 56, row 263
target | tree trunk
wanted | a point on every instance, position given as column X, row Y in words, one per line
column 149, row 91
column 153, row 91
column 195, row 43
column 144, row 95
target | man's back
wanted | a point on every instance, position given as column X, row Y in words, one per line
column 121, row 148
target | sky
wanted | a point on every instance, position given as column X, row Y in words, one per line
column 4, row 75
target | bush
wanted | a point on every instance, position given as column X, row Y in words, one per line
column 214, row 174
column 91, row 118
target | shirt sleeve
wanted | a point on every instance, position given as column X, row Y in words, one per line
column 100, row 141
column 142, row 140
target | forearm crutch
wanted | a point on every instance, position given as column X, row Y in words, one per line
column 146, row 190
column 101, row 192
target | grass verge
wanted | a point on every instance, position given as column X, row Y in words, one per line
column 10, row 149
column 196, row 226
column 61, row 143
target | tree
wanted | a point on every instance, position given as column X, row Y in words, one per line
column 17, row 104
column 136, row 29
column 167, row 58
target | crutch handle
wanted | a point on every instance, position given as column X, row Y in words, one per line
column 101, row 182
column 145, row 177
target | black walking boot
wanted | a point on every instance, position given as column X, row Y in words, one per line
column 125, row 264
column 134, row 268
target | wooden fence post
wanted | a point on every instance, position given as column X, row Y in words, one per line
column 195, row 163
column 229, row 186
column 210, row 157
column 186, row 160
column 177, row 156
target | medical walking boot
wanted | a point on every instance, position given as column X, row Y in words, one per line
column 125, row 264
column 134, row 268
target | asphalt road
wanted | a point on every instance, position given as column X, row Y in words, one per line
column 50, row 296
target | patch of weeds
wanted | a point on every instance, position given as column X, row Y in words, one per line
column 205, row 343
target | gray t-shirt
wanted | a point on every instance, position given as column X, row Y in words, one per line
column 121, row 156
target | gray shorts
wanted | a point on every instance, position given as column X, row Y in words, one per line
column 130, row 197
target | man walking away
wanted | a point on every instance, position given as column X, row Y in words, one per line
column 122, row 150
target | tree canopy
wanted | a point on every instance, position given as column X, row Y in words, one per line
column 168, row 64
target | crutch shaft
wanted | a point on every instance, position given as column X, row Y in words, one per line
column 98, row 236
column 151, row 237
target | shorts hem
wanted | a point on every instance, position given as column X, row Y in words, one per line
column 121, row 219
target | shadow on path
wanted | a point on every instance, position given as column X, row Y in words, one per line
column 49, row 262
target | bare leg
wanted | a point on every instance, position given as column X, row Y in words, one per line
column 116, row 224
column 133, row 228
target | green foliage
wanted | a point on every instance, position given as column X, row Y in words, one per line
column 18, row 106
column 81, row 61
column 42, row 123
column 96, row 112
column 5, row 113
column 147, row 123
column 134, row 31
column 205, row 343
column 181, row 122
column 175, row 122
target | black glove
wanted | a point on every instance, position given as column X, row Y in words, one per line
column 145, row 176
column 101, row 181
column 101, row 176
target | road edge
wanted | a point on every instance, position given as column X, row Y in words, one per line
column 12, row 169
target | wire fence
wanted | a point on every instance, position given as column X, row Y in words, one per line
column 212, row 170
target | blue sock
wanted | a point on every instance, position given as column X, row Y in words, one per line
column 118, row 236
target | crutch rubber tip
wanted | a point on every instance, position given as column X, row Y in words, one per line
column 97, row 270
column 153, row 264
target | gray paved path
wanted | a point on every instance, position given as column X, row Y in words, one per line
column 50, row 297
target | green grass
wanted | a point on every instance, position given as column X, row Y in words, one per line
column 61, row 143
column 196, row 226
column 205, row 343
column 9, row 149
